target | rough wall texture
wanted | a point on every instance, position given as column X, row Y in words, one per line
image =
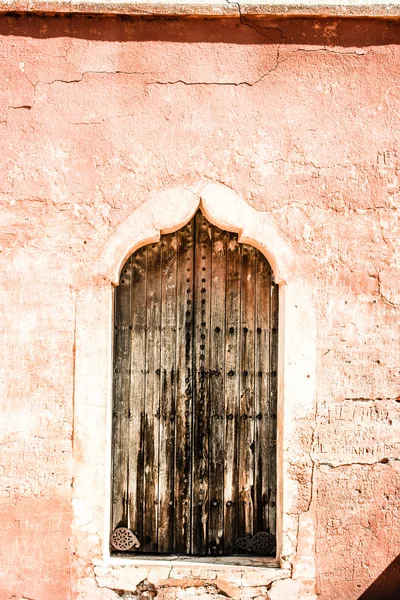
column 301, row 118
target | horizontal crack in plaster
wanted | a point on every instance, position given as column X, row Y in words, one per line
column 397, row 399
column 21, row 107
column 259, row 29
column 240, row 83
column 24, row 106
column 222, row 83
column 358, row 52
column 383, row 461
column 67, row 81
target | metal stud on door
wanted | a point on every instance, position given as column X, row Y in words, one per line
column 194, row 436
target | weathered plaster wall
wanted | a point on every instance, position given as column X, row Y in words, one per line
column 301, row 119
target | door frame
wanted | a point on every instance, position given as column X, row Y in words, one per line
column 170, row 249
column 164, row 212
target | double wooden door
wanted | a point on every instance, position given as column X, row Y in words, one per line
column 194, row 416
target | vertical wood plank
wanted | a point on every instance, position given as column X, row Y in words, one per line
column 168, row 393
column 262, row 394
column 232, row 336
column 195, row 393
column 272, row 467
column 201, row 416
column 137, row 392
column 246, row 411
column 121, row 398
column 184, row 367
column 217, row 399
column 152, row 408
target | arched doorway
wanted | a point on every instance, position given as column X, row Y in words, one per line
column 195, row 393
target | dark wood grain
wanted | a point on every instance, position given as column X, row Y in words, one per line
column 152, row 408
column 168, row 393
column 246, row 409
column 217, row 399
column 201, row 406
column 232, row 380
column 184, row 391
column 122, row 383
column 262, row 394
column 137, row 393
column 272, row 467
column 195, row 393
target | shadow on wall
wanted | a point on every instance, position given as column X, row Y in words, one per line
column 387, row 585
column 246, row 30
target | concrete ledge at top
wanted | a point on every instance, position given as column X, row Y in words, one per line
column 319, row 8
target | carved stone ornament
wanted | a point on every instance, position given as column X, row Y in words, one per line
column 262, row 543
column 124, row 539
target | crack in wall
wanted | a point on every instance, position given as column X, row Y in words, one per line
column 383, row 295
column 383, row 461
column 219, row 83
column 397, row 399
column 105, row 73
column 210, row 583
column 260, row 29
column 359, row 52
column 84, row 73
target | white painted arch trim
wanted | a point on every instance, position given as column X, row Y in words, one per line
column 171, row 209
column 163, row 212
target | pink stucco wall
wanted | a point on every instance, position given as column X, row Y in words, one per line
column 299, row 117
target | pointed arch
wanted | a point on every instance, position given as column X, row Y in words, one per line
column 195, row 391
column 164, row 212
column 170, row 209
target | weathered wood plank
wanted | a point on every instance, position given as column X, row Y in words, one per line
column 273, row 409
column 217, row 397
column 168, row 393
column 246, row 410
column 195, row 393
column 200, row 474
column 184, row 366
column 232, row 336
column 152, row 409
column 137, row 393
column 262, row 394
column 121, row 398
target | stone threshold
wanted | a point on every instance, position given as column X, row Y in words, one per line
column 194, row 561
column 126, row 574
column 214, row 8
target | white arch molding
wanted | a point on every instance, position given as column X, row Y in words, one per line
column 165, row 212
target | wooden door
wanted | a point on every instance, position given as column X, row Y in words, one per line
column 195, row 392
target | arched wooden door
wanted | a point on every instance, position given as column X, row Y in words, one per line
column 195, row 391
